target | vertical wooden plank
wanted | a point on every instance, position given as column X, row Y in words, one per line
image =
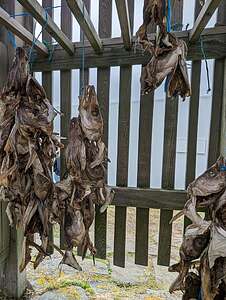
column 218, row 85
column 143, row 178
column 103, row 86
column 168, row 176
column 169, row 158
column 11, row 280
column 193, row 118
column 65, row 99
column 123, row 153
column 223, row 114
column 143, row 174
column 47, row 85
column 122, row 162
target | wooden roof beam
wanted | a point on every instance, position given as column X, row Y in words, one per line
column 40, row 14
column 203, row 18
column 79, row 11
column 124, row 20
column 17, row 29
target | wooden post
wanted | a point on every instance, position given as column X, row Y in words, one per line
column 223, row 120
column 11, row 280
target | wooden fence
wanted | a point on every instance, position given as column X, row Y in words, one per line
column 143, row 198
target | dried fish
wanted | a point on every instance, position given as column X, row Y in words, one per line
column 85, row 184
column 25, row 164
column 205, row 240
column 168, row 53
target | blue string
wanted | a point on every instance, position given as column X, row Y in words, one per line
column 206, row 64
column 35, row 39
column 168, row 24
column 11, row 39
column 24, row 14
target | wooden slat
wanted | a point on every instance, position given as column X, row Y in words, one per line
column 47, row 85
column 123, row 14
column 217, row 99
column 223, row 119
column 123, row 154
column 122, row 162
column 114, row 53
column 149, row 198
column 169, row 159
column 82, row 16
column 16, row 28
column 193, row 119
column 168, row 176
column 43, row 17
column 65, row 99
column 143, row 176
column 103, row 87
column 203, row 18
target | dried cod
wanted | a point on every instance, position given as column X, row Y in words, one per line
column 85, row 183
column 168, row 53
column 27, row 150
column 203, row 249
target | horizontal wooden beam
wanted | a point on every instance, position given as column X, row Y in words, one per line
column 203, row 18
column 17, row 29
column 149, row 198
column 114, row 53
column 123, row 14
column 79, row 11
column 41, row 15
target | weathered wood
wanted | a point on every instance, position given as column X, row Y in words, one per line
column 47, row 85
column 168, row 177
column 193, row 119
column 16, row 28
column 43, row 17
column 103, row 88
column 223, row 117
column 143, row 176
column 65, row 99
column 203, row 18
column 123, row 154
column 217, row 99
column 114, row 53
column 169, row 160
column 122, row 162
column 123, row 14
column 79, row 11
column 149, row 198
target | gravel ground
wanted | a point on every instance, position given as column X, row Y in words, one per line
column 104, row 280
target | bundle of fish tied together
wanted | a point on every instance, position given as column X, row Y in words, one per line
column 168, row 53
column 84, row 185
column 202, row 266
column 28, row 148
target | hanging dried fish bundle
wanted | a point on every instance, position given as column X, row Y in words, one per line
column 202, row 266
column 85, row 183
column 168, row 53
column 27, row 150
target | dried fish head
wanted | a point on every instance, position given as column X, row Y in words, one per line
column 90, row 115
column 194, row 244
column 212, row 181
column 18, row 73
